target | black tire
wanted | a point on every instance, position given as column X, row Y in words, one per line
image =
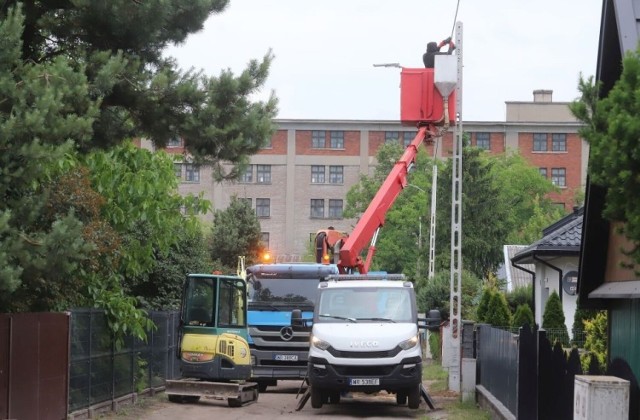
column 262, row 386
column 316, row 397
column 413, row 395
column 234, row 402
column 334, row 397
column 176, row 398
column 191, row 399
column 401, row 398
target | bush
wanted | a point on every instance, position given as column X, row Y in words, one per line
column 483, row 306
column 434, row 345
column 553, row 319
column 520, row 296
column 523, row 315
column 498, row 312
column 596, row 340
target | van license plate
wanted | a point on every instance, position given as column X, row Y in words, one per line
column 286, row 357
column 364, row 381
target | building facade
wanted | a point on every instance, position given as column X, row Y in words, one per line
column 298, row 183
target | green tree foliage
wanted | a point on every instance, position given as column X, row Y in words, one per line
column 581, row 315
column 553, row 320
column 611, row 128
column 236, row 232
column 161, row 287
column 596, row 340
column 141, row 92
column 435, row 294
column 520, row 296
column 522, row 316
column 44, row 107
column 498, row 312
column 483, row 305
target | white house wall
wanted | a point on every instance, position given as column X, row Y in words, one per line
column 547, row 282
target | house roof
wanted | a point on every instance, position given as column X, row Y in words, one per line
column 561, row 238
column 619, row 32
column 516, row 276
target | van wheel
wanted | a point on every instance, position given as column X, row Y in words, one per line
column 316, row 397
column 413, row 396
column 401, row 398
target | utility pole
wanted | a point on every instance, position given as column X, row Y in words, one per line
column 455, row 303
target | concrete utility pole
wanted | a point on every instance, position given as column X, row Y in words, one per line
column 456, row 229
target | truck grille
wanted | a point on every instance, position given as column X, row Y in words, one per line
column 363, row 370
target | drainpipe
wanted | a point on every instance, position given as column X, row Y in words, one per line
column 533, row 284
column 559, row 274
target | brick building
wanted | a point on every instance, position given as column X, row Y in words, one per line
column 298, row 183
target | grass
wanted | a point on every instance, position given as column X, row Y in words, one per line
column 450, row 408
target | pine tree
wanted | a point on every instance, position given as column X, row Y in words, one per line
column 553, row 320
column 118, row 46
column 498, row 313
column 483, row 306
column 523, row 316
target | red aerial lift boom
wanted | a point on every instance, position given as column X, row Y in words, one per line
column 421, row 105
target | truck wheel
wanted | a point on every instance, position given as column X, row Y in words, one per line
column 401, row 398
column 413, row 395
column 334, row 397
column 316, row 398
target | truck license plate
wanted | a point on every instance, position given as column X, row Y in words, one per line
column 364, row 381
column 286, row 357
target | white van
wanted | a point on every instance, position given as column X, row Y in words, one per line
column 364, row 338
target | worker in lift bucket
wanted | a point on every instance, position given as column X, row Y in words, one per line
column 433, row 49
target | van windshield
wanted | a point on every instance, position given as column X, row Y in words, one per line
column 366, row 305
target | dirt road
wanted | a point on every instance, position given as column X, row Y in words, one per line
column 278, row 402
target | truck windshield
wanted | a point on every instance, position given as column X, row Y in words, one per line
column 366, row 305
column 278, row 293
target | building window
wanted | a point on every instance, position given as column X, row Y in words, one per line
column 407, row 137
column 337, row 139
column 263, row 174
column 559, row 177
column 174, row 142
column 192, row 173
column 264, row 238
column 483, row 141
column 543, row 172
column 391, row 137
column 263, row 207
column 317, row 174
column 559, row 142
column 335, row 209
column 539, row 142
column 336, row 174
column 317, row 208
column 177, row 168
column 247, row 175
column 317, row 139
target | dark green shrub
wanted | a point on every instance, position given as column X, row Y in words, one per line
column 553, row 320
column 523, row 315
column 498, row 313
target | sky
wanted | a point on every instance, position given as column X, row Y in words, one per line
column 325, row 51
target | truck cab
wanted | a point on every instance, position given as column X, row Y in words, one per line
column 365, row 338
column 278, row 351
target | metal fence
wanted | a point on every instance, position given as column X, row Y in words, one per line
column 98, row 372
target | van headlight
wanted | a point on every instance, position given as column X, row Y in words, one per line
column 410, row 343
column 321, row 344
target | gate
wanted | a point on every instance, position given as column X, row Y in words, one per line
column 34, row 356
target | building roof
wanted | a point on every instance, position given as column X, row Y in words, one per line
column 619, row 33
column 561, row 238
column 516, row 277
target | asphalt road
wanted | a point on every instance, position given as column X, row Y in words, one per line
column 281, row 401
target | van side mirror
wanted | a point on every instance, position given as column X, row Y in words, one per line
column 431, row 322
